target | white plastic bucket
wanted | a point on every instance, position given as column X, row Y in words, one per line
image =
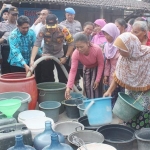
column 30, row 114
column 37, row 125
column 96, row 146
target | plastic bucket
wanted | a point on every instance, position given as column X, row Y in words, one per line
column 30, row 114
column 119, row 136
column 37, row 125
column 51, row 109
column 52, row 91
column 71, row 107
column 24, row 97
column 84, row 120
column 18, row 82
column 75, row 95
column 124, row 107
column 96, row 146
column 143, row 139
column 81, row 108
column 98, row 111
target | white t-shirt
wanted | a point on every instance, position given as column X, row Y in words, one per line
column 36, row 29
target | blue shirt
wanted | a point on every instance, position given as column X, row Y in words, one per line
column 20, row 47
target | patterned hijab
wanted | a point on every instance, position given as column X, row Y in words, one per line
column 110, row 50
column 133, row 72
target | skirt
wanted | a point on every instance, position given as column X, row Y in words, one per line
column 89, row 77
column 142, row 120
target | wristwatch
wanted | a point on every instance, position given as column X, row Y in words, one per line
column 67, row 57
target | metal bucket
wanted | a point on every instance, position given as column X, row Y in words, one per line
column 87, row 137
column 68, row 127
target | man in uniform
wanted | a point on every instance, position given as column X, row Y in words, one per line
column 5, row 30
column 74, row 27
column 54, row 36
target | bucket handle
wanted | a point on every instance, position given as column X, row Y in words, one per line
column 3, row 98
column 88, row 107
column 79, row 127
column 41, row 94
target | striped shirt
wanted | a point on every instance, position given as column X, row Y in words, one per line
column 7, row 28
column 20, row 47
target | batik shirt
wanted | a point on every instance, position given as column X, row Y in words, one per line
column 20, row 47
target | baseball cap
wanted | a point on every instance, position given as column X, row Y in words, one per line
column 13, row 10
column 70, row 10
column 4, row 10
column 51, row 19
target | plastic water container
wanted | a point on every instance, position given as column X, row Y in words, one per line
column 30, row 114
column 99, row 111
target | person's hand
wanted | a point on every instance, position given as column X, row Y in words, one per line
column 95, row 86
column 107, row 94
column 38, row 20
column 27, row 68
column 63, row 60
column 4, row 6
column 105, row 80
column 67, row 93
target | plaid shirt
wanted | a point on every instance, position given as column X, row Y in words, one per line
column 20, row 47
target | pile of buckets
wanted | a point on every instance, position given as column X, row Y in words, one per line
column 93, row 124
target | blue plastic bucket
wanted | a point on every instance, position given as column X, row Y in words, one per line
column 99, row 111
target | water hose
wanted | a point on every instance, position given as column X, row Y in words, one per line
column 55, row 59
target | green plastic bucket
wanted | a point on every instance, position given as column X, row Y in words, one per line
column 52, row 91
column 124, row 107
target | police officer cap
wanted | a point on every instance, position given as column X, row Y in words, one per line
column 70, row 10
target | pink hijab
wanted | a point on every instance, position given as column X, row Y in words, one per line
column 113, row 31
column 99, row 38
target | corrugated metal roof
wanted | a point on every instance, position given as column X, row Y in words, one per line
column 122, row 4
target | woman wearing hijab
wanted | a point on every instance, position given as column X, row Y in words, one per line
column 132, row 72
column 99, row 38
column 111, row 32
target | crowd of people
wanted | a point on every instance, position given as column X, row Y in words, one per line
column 110, row 57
